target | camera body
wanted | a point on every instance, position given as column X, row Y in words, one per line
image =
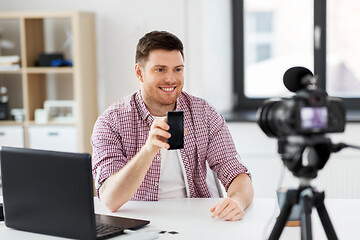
column 310, row 111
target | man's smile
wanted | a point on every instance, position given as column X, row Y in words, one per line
column 167, row 89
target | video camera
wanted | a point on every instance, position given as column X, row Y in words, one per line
column 311, row 111
column 300, row 124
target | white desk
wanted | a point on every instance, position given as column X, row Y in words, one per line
column 191, row 219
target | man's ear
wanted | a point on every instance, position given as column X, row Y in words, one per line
column 139, row 72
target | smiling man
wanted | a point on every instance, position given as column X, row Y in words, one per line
column 130, row 156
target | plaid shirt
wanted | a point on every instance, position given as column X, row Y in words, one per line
column 122, row 130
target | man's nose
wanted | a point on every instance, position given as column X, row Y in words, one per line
column 170, row 77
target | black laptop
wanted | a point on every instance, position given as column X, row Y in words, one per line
column 52, row 193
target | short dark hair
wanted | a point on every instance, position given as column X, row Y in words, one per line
column 157, row 40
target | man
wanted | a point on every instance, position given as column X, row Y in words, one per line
column 130, row 156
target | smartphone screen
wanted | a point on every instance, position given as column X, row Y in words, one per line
column 175, row 120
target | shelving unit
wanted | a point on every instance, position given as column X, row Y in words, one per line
column 35, row 33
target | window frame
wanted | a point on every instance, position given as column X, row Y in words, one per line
column 244, row 108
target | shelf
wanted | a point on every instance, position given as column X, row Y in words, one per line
column 11, row 72
column 51, row 123
column 41, row 70
column 49, row 70
column 38, row 14
column 11, row 123
column 33, row 123
column 35, row 33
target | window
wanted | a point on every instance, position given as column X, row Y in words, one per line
column 259, row 35
column 271, row 36
column 343, row 51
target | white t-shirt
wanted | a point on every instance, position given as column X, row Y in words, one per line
column 172, row 181
column 172, row 176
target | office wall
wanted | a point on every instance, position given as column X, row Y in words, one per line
column 339, row 178
column 205, row 28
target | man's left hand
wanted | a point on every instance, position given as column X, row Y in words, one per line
column 228, row 209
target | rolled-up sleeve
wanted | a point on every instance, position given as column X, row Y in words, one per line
column 222, row 155
column 107, row 157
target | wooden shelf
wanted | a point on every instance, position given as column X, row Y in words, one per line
column 41, row 70
column 49, row 70
column 11, row 123
column 39, row 14
column 11, row 72
column 33, row 33
column 51, row 123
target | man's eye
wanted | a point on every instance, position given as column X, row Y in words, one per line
column 178, row 70
column 160, row 70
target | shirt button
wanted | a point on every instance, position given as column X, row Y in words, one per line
column 156, row 184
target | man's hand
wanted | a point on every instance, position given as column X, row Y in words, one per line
column 240, row 195
column 228, row 209
column 158, row 136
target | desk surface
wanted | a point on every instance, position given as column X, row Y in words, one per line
column 191, row 219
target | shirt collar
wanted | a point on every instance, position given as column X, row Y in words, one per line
column 142, row 109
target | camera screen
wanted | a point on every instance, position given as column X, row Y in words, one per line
column 314, row 117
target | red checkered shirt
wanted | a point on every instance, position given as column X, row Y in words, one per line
column 122, row 130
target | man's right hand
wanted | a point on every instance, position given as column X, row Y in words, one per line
column 158, row 136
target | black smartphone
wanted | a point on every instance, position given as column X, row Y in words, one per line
column 175, row 120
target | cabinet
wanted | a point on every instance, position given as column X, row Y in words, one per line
column 71, row 34
column 53, row 138
column 12, row 136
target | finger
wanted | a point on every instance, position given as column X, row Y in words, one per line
column 232, row 208
column 219, row 208
column 157, row 132
column 238, row 216
column 160, row 144
column 185, row 131
column 230, row 214
column 160, row 123
column 164, row 124
column 225, row 207
column 213, row 208
column 226, row 211
column 236, row 213
column 162, row 139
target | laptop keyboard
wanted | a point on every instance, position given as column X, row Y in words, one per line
column 106, row 230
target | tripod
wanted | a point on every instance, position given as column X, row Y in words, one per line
column 319, row 150
column 308, row 198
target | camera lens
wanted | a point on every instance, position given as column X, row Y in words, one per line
column 277, row 117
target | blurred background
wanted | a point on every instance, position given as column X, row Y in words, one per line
column 277, row 34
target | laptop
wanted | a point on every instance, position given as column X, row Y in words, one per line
column 51, row 193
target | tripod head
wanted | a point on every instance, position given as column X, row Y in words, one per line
column 316, row 148
column 293, row 148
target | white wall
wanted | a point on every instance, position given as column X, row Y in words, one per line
column 205, row 28
column 339, row 178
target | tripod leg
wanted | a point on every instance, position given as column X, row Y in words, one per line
column 281, row 221
column 324, row 216
column 306, row 204
column 290, row 201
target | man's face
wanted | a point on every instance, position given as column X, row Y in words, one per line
column 162, row 77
